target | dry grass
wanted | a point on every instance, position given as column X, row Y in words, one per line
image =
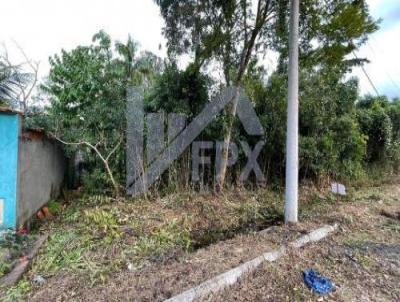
column 362, row 259
column 95, row 237
column 149, row 250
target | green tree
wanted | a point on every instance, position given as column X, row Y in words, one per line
column 87, row 88
column 379, row 121
column 331, row 143
column 179, row 91
column 224, row 31
column 232, row 34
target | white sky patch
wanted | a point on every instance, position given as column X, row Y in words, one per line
column 44, row 27
column 382, row 51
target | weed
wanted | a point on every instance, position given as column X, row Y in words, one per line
column 96, row 200
column 375, row 196
column 249, row 211
column 165, row 237
column 12, row 246
column 392, row 225
column 18, row 293
column 72, row 214
column 64, row 251
column 5, row 266
column 55, row 207
column 105, row 222
column 14, row 242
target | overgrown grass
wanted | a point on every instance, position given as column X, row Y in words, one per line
column 18, row 293
column 94, row 236
column 64, row 251
column 162, row 239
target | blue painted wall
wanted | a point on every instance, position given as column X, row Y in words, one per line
column 9, row 131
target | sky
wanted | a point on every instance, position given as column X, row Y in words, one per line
column 43, row 27
column 382, row 50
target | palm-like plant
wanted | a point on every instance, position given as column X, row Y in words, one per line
column 11, row 81
column 8, row 83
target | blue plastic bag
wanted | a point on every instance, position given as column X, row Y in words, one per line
column 317, row 283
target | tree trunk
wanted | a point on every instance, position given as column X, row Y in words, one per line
column 261, row 18
column 227, row 139
column 114, row 183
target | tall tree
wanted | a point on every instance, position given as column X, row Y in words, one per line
column 225, row 31
column 232, row 33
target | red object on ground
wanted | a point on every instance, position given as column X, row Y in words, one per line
column 22, row 231
column 40, row 214
column 23, row 258
column 46, row 212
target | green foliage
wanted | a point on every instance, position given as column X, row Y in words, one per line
column 55, row 207
column 223, row 31
column 87, row 90
column 379, row 121
column 36, row 118
column 5, row 266
column 11, row 77
column 13, row 241
column 329, row 31
column 331, row 143
column 104, row 221
column 12, row 246
column 179, row 91
column 162, row 239
column 64, row 251
column 96, row 182
column 19, row 292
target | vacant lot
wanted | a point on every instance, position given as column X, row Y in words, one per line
column 362, row 258
column 149, row 250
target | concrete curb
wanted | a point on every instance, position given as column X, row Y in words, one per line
column 230, row 277
column 13, row 277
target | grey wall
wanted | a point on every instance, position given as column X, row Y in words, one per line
column 41, row 169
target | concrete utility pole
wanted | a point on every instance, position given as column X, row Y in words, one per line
column 292, row 136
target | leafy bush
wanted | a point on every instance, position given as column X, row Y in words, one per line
column 379, row 120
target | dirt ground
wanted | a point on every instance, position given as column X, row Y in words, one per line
column 362, row 258
column 176, row 272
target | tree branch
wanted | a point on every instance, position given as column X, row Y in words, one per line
column 104, row 160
